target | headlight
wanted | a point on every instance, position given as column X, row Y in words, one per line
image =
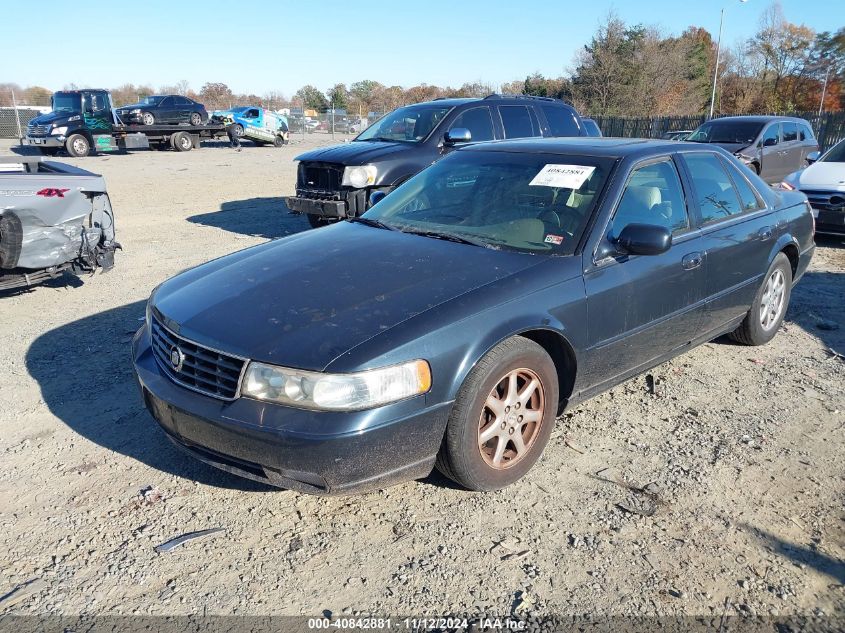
column 336, row 392
column 359, row 177
column 745, row 159
column 135, row 111
column 59, row 131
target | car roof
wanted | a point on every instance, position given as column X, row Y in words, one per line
column 493, row 98
column 589, row 145
column 757, row 118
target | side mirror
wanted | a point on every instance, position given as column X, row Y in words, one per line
column 770, row 142
column 812, row 157
column 645, row 239
column 376, row 197
column 457, row 135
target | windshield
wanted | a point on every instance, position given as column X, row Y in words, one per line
column 152, row 100
column 835, row 154
column 535, row 203
column 67, row 102
column 413, row 123
column 740, row 132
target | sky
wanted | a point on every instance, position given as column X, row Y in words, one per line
column 259, row 46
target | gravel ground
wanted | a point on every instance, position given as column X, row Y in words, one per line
column 715, row 487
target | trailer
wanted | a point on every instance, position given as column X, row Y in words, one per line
column 84, row 122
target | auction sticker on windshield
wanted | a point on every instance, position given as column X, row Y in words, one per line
column 568, row 176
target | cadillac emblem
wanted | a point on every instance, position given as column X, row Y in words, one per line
column 177, row 358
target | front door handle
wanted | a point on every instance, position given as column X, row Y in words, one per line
column 765, row 233
column 692, row 260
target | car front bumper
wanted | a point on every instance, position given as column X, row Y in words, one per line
column 832, row 222
column 45, row 141
column 348, row 203
column 308, row 451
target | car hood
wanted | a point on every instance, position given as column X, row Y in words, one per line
column 733, row 148
column 823, row 176
column 135, row 106
column 53, row 117
column 357, row 152
column 304, row 300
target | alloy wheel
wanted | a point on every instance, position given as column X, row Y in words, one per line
column 772, row 301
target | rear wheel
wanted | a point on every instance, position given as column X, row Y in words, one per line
column 502, row 418
column 196, row 118
column 77, row 145
column 769, row 307
column 182, row 142
column 147, row 118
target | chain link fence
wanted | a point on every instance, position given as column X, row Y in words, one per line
column 13, row 121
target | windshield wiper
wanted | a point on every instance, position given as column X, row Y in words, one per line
column 375, row 223
column 451, row 237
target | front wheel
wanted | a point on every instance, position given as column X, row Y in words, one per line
column 77, row 146
column 278, row 141
column 147, row 118
column 502, row 418
column 769, row 307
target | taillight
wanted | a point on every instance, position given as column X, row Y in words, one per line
column 787, row 186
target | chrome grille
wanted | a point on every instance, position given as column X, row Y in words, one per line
column 826, row 200
column 200, row 368
column 38, row 130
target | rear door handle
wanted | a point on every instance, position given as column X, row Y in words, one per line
column 765, row 233
column 692, row 260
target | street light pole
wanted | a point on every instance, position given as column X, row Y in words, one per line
column 718, row 58
column 716, row 69
column 824, row 90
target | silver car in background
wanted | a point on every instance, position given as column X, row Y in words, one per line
column 823, row 182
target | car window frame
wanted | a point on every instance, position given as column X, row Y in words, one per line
column 167, row 102
column 734, row 172
column 601, row 237
column 722, row 222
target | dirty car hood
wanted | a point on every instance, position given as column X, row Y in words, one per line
column 357, row 152
column 304, row 300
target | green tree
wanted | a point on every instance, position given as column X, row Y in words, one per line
column 338, row 96
column 312, row 98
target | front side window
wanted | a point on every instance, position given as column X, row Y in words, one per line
column 535, row 203
column 653, row 195
column 67, row 102
column 410, row 124
column 152, row 100
column 771, row 137
column 715, row 193
column 519, row 122
column 561, row 121
column 478, row 121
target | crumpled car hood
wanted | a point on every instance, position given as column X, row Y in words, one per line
column 304, row 300
column 356, row 152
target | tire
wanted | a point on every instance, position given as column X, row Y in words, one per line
column 78, row 146
column 756, row 168
column 759, row 326
column 316, row 221
column 182, row 142
column 148, row 118
column 278, row 141
column 464, row 456
column 238, row 130
column 196, row 118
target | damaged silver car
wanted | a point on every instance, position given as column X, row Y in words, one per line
column 53, row 218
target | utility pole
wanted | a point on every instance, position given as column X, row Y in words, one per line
column 718, row 59
column 824, row 90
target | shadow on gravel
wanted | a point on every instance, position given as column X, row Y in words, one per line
column 85, row 374
column 803, row 554
column 817, row 307
column 259, row 217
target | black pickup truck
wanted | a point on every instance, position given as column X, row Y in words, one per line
column 338, row 182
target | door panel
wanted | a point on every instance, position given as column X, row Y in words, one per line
column 643, row 307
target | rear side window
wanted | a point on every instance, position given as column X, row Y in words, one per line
column 715, row 193
column 478, row 121
column 747, row 197
column 561, row 121
column 790, row 131
column 517, row 121
column 805, row 133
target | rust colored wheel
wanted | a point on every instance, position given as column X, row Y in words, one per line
column 511, row 418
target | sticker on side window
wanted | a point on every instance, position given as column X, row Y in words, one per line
column 567, row 176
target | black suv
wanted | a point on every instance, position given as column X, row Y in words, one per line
column 338, row 182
